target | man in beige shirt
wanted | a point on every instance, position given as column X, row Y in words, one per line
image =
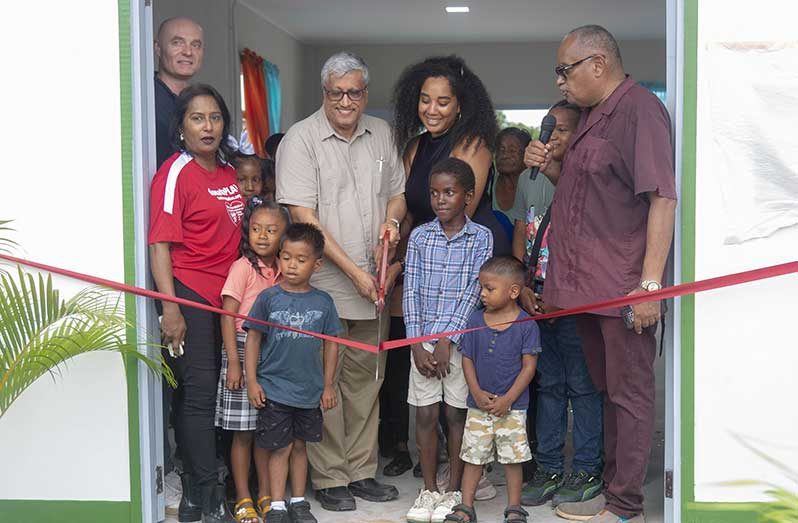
column 340, row 170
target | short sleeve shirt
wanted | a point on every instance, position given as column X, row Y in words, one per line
column 199, row 213
column 290, row 366
column 620, row 151
column 497, row 355
column 348, row 183
column 244, row 284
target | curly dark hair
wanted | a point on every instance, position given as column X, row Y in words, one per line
column 458, row 169
column 477, row 118
column 254, row 204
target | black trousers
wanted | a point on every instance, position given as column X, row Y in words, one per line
column 394, row 411
column 197, row 373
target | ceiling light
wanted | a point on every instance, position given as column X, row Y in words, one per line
column 456, row 9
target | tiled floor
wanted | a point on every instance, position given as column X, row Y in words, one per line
column 491, row 511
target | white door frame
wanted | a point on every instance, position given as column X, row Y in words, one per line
column 674, row 36
column 144, row 165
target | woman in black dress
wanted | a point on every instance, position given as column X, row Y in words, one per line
column 441, row 109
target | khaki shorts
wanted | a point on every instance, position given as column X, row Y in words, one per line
column 486, row 435
column 452, row 389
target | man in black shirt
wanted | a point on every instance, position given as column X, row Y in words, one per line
column 179, row 48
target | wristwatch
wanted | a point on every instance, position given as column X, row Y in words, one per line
column 395, row 222
column 650, row 285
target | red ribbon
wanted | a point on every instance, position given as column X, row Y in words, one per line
column 664, row 293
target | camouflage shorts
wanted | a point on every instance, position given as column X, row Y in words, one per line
column 486, row 435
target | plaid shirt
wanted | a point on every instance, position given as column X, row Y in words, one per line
column 441, row 285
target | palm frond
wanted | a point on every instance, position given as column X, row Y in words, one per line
column 6, row 243
column 40, row 332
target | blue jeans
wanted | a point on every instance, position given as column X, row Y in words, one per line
column 562, row 376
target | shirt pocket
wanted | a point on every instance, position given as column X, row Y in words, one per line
column 596, row 155
column 328, row 178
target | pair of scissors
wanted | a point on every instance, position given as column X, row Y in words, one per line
column 382, row 276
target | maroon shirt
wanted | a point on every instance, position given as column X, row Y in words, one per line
column 620, row 150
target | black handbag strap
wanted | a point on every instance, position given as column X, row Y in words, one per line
column 533, row 256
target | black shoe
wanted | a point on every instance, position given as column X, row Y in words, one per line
column 372, row 490
column 190, row 508
column 417, row 470
column 542, row 488
column 578, row 486
column 336, row 499
column 214, row 506
column 277, row 516
column 400, row 464
column 299, row 512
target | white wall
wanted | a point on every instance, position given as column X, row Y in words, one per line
column 221, row 66
column 744, row 366
column 515, row 74
column 65, row 438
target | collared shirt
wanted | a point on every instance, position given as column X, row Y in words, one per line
column 441, row 286
column 164, row 111
column 348, row 183
column 620, row 151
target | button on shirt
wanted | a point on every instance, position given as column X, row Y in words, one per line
column 441, row 285
column 348, row 183
column 620, row 151
column 497, row 355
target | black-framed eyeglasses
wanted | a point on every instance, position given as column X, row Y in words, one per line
column 563, row 70
column 353, row 94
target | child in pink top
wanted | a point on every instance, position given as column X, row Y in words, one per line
column 261, row 229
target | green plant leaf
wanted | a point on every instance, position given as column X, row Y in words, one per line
column 40, row 333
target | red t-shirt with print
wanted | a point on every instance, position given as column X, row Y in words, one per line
column 199, row 213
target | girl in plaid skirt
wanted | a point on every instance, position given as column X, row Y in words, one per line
column 263, row 224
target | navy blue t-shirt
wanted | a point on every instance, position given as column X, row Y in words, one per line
column 290, row 368
column 497, row 355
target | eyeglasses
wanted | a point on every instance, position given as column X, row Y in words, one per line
column 563, row 70
column 353, row 94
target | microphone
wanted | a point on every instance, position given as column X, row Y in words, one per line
column 546, row 128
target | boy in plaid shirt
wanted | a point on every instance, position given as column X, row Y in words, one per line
column 441, row 289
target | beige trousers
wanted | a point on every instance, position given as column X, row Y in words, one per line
column 348, row 448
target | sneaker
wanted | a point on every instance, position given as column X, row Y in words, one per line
column 277, row 516
column 485, row 489
column 578, row 486
column 584, row 510
column 444, row 506
column 421, row 511
column 542, row 488
column 299, row 512
column 172, row 491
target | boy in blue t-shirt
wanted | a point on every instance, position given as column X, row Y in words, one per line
column 498, row 363
column 291, row 380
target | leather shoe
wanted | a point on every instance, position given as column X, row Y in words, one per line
column 336, row 499
column 372, row 490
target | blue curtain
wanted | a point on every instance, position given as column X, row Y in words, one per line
column 272, row 75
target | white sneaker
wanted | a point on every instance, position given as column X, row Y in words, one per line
column 485, row 489
column 422, row 508
column 444, row 506
column 172, row 492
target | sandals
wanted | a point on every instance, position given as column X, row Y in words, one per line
column 244, row 511
column 515, row 514
column 264, row 505
column 464, row 509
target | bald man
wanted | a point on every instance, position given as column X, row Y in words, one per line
column 179, row 47
column 613, row 213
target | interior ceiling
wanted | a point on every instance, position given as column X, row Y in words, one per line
column 425, row 21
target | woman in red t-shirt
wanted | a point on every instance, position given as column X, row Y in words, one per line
column 195, row 216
